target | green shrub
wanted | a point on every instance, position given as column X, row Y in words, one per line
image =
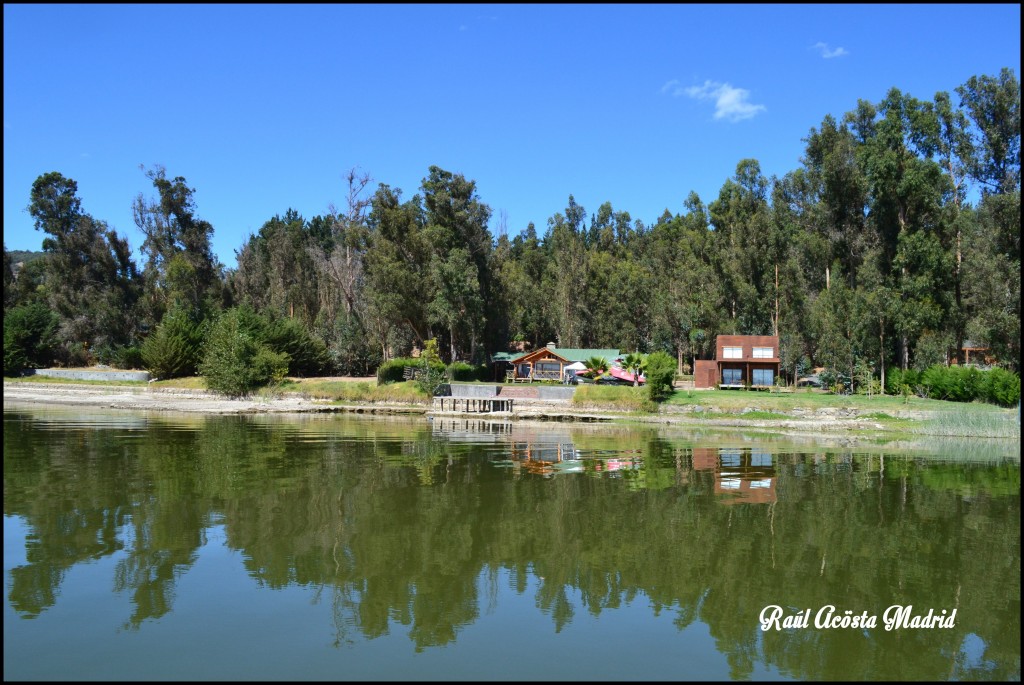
column 966, row 384
column 348, row 345
column 15, row 360
column 391, row 371
column 308, row 353
column 936, row 382
column 835, row 382
column 461, row 371
column 661, row 369
column 71, row 354
column 128, row 357
column 999, row 386
column 235, row 362
column 893, row 381
column 432, row 373
column 120, row 356
column 174, row 349
column 30, row 338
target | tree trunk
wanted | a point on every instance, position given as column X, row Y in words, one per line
column 957, row 294
column 904, row 343
column 958, row 297
column 881, row 354
column 776, row 300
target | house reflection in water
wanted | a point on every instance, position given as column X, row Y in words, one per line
column 741, row 475
column 545, row 454
column 544, row 451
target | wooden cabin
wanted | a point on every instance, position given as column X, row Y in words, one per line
column 981, row 352
column 740, row 361
column 548, row 363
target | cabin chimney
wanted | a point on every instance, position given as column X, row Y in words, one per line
column 551, row 346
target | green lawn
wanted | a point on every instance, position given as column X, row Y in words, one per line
column 356, row 391
column 737, row 400
column 613, row 397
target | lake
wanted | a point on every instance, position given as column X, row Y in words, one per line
column 157, row 546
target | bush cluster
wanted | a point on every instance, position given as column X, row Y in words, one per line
column 175, row 348
column 236, row 362
column 957, row 384
column 180, row 347
column 30, row 338
column 661, row 370
column 461, row 371
column 120, row 356
column 393, row 370
column 308, row 354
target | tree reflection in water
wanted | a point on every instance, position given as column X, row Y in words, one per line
column 403, row 523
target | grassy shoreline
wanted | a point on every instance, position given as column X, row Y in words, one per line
column 784, row 411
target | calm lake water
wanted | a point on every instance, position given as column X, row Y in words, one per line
column 329, row 547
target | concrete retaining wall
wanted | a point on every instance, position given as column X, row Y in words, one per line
column 473, row 390
column 93, row 375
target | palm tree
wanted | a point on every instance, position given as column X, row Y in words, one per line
column 596, row 366
column 635, row 363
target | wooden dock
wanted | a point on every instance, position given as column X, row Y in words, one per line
column 475, row 405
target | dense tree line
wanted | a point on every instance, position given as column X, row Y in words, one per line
column 894, row 242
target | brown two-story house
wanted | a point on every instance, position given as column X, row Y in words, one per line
column 740, row 361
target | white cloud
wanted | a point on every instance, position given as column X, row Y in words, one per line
column 730, row 103
column 829, row 53
column 673, row 87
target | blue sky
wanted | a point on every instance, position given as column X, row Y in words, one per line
column 266, row 107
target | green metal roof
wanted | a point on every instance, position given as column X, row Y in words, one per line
column 574, row 355
column 583, row 355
